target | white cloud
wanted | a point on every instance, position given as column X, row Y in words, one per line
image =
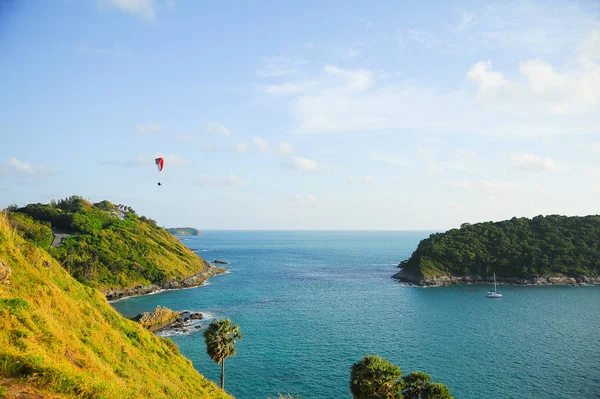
column 215, row 127
column 574, row 91
column 285, row 148
column 533, row 163
column 261, row 143
column 21, row 167
column 147, row 129
column 231, row 180
column 15, row 168
column 241, row 147
column 369, row 179
column 542, row 100
column 144, row 9
column 355, row 80
column 337, row 169
column 486, row 80
column 590, row 48
column 304, row 164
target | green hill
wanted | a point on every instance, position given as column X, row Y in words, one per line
column 548, row 249
column 110, row 247
column 184, row 231
column 62, row 339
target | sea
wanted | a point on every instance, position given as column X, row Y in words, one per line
column 312, row 303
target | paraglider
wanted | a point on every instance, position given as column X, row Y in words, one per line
column 159, row 164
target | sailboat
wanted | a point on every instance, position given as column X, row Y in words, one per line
column 494, row 294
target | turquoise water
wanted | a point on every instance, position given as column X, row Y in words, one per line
column 312, row 303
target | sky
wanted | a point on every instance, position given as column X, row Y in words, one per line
column 360, row 115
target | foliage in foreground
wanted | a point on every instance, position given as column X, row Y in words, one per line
column 373, row 377
column 519, row 247
column 110, row 246
column 59, row 335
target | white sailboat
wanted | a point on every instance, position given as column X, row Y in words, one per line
column 494, row 294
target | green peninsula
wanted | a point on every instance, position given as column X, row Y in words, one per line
column 549, row 249
column 184, row 231
column 110, row 247
column 61, row 339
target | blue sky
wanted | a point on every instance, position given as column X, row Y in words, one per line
column 303, row 114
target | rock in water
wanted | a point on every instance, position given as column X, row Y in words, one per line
column 221, row 262
column 196, row 316
column 160, row 318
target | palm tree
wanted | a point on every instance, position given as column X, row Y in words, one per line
column 220, row 338
column 436, row 390
column 373, row 377
column 415, row 382
column 418, row 385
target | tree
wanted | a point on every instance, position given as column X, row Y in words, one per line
column 220, row 338
column 374, row 377
column 418, row 385
column 436, row 390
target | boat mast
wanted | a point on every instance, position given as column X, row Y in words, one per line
column 495, row 284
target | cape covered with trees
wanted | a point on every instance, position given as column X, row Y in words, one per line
column 184, row 231
column 520, row 248
column 108, row 246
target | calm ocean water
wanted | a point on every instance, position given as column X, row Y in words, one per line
column 312, row 303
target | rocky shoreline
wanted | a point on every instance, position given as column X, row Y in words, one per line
column 466, row 280
column 187, row 282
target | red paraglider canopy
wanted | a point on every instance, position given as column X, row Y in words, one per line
column 159, row 163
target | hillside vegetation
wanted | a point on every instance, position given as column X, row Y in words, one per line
column 516, row 248
column 110, row 246
column 57, row 335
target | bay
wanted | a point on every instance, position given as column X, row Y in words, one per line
column 312, row 303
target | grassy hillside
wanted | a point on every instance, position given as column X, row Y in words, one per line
column 520, row 247
column 61, row 336
column 110, row 246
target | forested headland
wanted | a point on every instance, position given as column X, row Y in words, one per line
column 110, row 247
column 184, row 231
column 544, row 249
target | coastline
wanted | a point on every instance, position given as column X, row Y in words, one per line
column 195, row 280
column 441, row 281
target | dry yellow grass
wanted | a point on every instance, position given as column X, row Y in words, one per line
column 64, row 337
